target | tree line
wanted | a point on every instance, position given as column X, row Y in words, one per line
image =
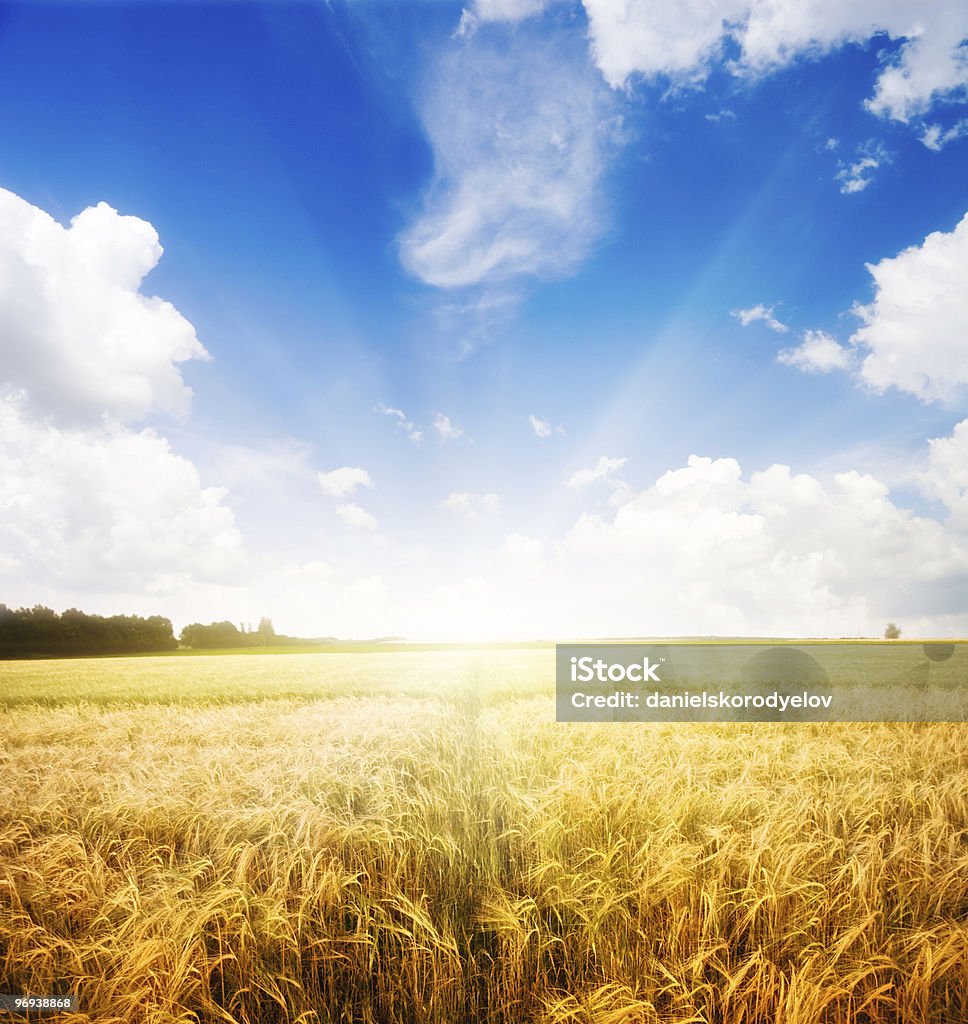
column 227, row 634
column 41, row 632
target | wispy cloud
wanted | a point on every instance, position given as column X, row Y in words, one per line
column 541, row 428
column 762, row 313
column 403, row 423
column 446, row 429
column 856, row 176
column 482, row 11
column 935, row 137
column 602, row 470
column 520, row 125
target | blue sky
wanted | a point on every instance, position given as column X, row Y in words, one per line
column 503, row 318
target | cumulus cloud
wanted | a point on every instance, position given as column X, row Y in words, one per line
column 857, row 175
column 602, row 470
column 684, row 39
column 762, row 313
column 709, row 549
column 338, row 483
column 87, row 503
column 77, row 336
column 472, row 505
column 778, row 552
column 355, row 517
column 946, row 477
column 108, row 508
column 519, row 128
column 913, row 331
column 817, row 353
column 446, row 429
column 403, row 423
column 912, row 334
column 931, row 65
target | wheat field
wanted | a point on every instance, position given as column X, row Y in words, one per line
column 410, row 837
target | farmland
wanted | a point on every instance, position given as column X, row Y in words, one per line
column 408, row 836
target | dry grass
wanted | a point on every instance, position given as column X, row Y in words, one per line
column 424, row 849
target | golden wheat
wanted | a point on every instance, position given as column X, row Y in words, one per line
column 394, row 838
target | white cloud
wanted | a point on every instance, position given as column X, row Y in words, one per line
column 935, row 137
column 108, row 508
column 912, row 336
column 356, row 517
column 931, row 66
column 482, row 11
column 856, row 176
column 407, row 426
column 88, row 505
column 817, row 353
column 446, row 429
column 523, row 549
column 946, row 477
column 675, row 39
column 521, row 135
column 914, row 329
column 541, row 428
column 708, row 549
column 338, row 483
column 762, row 313
column 471, row 505
column 77, row 336
column 522, row 131
column 602, row 470
column 722, row 115
column 519, row 128
column 776, row 553
column 684, row 39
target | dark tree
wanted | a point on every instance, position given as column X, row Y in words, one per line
column 41, row 632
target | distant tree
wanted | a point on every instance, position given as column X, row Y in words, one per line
column 40, row 632
column 892, row 632
column 266, row 632
column 216, row 634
